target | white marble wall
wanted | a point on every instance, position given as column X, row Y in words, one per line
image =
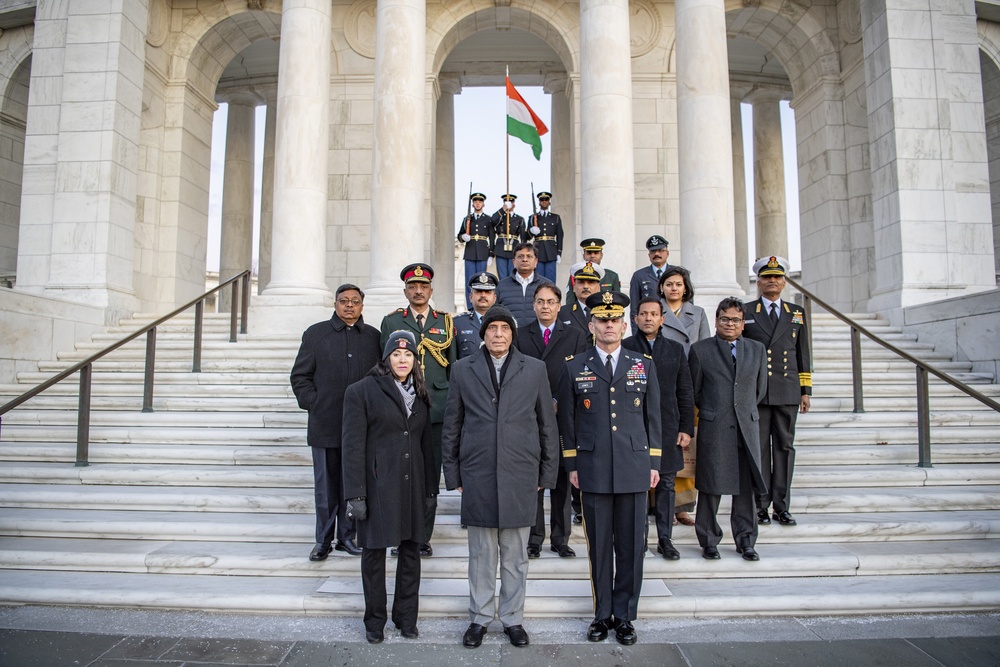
column 12, row 123
column 654, row 113
column 991, row 105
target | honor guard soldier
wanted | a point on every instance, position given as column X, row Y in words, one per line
column 476, row 232
column 586, row 281
column 593, row 252
column 437, row 350
column 547, row 236
column 509, row 229
column 646, row 281
column 483, row 287
column 781, row 327
column 608, row 410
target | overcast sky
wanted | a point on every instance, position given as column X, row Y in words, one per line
column 480, row 127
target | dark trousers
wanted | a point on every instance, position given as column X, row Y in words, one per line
column 407, row 595
column 559, row 512
column 430, row 504
column 742, row 518
column 548, row 270
column 331, row 510
column 574, row 500
column 664, row 507
column 472, row 267
column 777, row 454
column 615, row 524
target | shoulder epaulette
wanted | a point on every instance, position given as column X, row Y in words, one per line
column 648, row 356
column 785, row 306
column 574, row 307
column 758, row 306
column 400, row 310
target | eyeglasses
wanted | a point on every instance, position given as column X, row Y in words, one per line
column 730, row 320
column 546, row 302
column 349, row 302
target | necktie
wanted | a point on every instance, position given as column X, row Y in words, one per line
column 658, row 272
column 733, row 345
column 607, row 364
column 420, row 322
column 774, row 313
column 545, row 336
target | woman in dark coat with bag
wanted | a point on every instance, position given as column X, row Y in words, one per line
column 387, row 452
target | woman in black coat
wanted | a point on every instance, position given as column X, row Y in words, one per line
column 387, row 457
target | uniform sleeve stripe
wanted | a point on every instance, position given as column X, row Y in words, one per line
column 569, row 453
column 805, row 380
column 655, row 452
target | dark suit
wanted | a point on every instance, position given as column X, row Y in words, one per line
column 788, row 379
column 332, row 356
column 548, row 241
column 676, row 416
column 610, row 432
column 572, row 314
column 564, row 342
column 644, row 283
column 728, row 462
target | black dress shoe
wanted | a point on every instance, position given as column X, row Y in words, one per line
column 374, row 636
column 517, row 635
column 320, row 552
column 711, row 553
column 534, row 551
column 748, row 553
column 426, row 551
column 474, row 635
column 785, row 518
column 625, row 633
column 348, row 546
column 564, row 550
column 598, row 630
column 577, row 519
column 762, row 517
column 409, row 633
column 666, row 549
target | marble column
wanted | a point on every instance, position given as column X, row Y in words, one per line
column 770, row 216
column 236, row 245
column 739, row 190
column 301, row 173
column 562, row 180
column 445, row 220
column 608, row 174
column 705, row 155
column 267, row 190
column 399, row 152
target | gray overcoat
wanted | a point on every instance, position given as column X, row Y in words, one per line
column 727, row 398
column 499, row 452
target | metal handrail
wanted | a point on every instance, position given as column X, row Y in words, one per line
column 240, row 283
column 923, row 369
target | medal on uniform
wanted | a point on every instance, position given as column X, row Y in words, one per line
column 586, row 403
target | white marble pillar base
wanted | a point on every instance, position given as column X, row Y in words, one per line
column 287, row 314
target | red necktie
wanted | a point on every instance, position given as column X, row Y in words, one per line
column 545, row 336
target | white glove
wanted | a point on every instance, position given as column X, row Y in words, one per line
column 489, row 262
column 535, row 230
column 506, row 205
column 466, row 238
column 558, row 259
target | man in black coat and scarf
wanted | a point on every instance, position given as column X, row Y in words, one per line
column 676, row 411
column 334, row 354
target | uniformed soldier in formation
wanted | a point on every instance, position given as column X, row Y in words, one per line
column 547, row 236
column 483, row 288
column 477, row 233
column 646, row 281
column 609, row 424
column 593, row 252
column 509, row 229
column 437, row 348
column 781, row 327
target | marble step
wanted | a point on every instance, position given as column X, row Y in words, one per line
column 252, row 527
column 285, row 500
column 450, row 561
column 838, row 455
column 761, row 596
column 300, row 476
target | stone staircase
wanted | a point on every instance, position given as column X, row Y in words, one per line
column 206, row 503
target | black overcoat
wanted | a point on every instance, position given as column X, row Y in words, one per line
column 676, row 394
column 385, row 456
column 499, row 451
column 727, row 397
column 332, row 356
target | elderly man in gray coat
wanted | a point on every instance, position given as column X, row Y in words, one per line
column 499, row 447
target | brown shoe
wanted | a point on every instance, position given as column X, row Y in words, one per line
column 684, row 518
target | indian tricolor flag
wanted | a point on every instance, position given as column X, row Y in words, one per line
column 522, row 122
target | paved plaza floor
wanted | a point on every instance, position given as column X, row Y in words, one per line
column 57, row 636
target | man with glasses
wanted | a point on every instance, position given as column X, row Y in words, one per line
column 781, row 327
column 334, row 354
column 729, row 374
column 553, row 342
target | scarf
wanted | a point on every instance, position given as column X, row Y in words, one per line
column 408, row 393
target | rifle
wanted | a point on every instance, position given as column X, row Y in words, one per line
column 468, row 209
column 534, row 208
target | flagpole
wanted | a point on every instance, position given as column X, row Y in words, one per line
column 506, row 145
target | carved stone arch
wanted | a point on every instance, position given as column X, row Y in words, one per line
column 989, row 40
column 556, row 25
column 15, row 56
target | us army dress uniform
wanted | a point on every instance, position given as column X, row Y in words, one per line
column 610, row 433
column 479, row 247
column 467, row 325
column 508, row 234
column 437, row 347
column 789, row 377
column 548, row 241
